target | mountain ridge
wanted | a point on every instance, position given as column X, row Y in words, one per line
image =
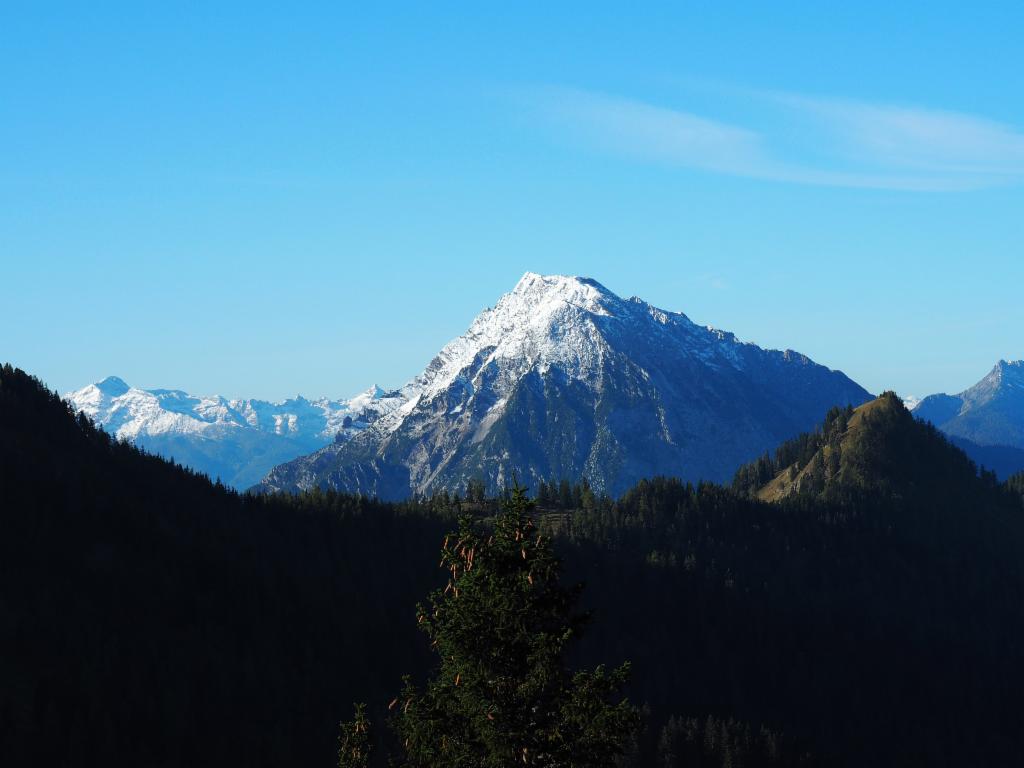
column 237, row 440
column 987, row 418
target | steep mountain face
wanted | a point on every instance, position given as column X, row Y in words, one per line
column 564, row 379
column 235, row 440
column 987, row 420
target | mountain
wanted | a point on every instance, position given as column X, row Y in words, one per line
column 877, row 448
column 564, row 379
column 237, row 441
column 877, row 552
column 911, row 402
column 986, row 420
column 1003, row 460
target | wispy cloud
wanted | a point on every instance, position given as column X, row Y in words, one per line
column 853, row 144
column 926, row 139
column 647, row 130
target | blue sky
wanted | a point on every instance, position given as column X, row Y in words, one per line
column 263, row 202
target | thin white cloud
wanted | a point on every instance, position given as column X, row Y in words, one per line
column 881, row 147
column 656, row 132
column 925, row 139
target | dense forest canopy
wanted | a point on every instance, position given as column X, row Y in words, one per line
column 869, row 613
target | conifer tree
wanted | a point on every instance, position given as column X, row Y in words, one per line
column 564, row 495
column 354, row 741
column 502, row 694
column 543, row 495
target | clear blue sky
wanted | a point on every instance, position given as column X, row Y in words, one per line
column 263, row 202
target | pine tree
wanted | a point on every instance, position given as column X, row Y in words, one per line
column 577, row 496
column 543, row 496
column 502, row 695
column 587, row 498
column 354, row 741
column 476, row 490
column 564, row 495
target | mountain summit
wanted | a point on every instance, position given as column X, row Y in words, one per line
column 564, row 379
column 989, row 413
column 878, row 447
column 986, row 420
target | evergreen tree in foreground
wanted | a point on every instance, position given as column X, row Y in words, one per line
column 354, row 741
column 502, row 694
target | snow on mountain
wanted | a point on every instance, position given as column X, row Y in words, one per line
column 236, row 440
column 911, row 402
column 563, row 379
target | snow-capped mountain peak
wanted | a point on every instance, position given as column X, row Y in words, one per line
column 564, row 321
column 366, row 397
column 545, row 294
column 911, row 401
column 563, row 378
column 538, row 321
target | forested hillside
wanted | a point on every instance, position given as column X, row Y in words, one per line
column 873, row 611
column 149, row 617
column 870, row 615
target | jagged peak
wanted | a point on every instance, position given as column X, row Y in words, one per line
column 1009, row 369
column 1002, row 370
column 542, row 320
column 537, row 299
column 1004, row 376
column 367, row 396
column 534, row 281
column 569, row 321
column 542, row 294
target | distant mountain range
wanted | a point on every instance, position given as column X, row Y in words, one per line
column 986, row 420
column 561, row 379
column 564, row 379
column 238, row 441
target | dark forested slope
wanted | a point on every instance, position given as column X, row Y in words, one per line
column 149, row 617
column 871, row 612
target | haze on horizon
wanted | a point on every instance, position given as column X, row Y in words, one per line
column 260, row 203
